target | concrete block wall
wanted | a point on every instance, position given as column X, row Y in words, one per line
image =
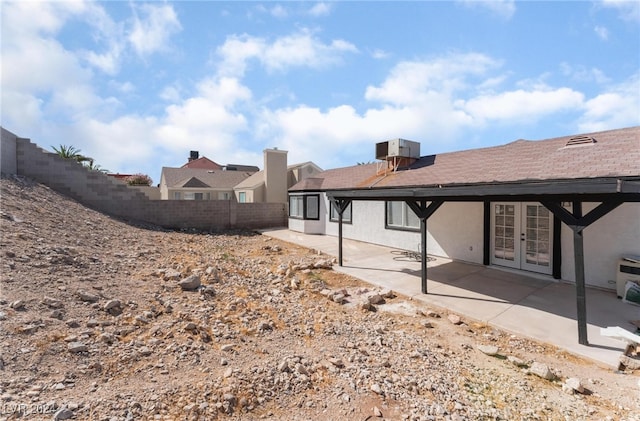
column 112, row 196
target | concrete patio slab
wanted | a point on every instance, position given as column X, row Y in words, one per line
column 528, row 305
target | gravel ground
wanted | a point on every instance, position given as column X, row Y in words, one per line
column 106, row 320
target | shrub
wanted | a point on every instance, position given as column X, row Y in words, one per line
column 139, row 180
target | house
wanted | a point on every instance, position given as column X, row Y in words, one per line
column 567, row 207
column 202, row 179
column 271, row 184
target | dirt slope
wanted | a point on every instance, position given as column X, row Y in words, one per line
column 104, row 320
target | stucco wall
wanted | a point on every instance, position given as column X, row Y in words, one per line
column 455, row 231
column 605, row 241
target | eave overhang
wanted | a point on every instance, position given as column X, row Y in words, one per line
column 598, row 189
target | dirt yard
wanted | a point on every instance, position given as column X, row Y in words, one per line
column 106, row 320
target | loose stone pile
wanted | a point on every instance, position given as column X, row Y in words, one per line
column 102, row 320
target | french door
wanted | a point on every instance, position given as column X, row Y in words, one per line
column 521, row 236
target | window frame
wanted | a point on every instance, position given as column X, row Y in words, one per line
column 306, row 207
column 405, row 210
column 333, row 214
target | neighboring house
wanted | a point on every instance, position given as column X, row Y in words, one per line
column 566, row 207
column 202, row 179
column 271, row 184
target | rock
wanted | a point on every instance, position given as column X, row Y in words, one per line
column 171, row 275
column 107, row 338
column 283, row 367
column 63, row 414
column 208, row 291
column 17, row 305
column 387, row 293
column 366, row 305
column 87, row 297
column 300, row 368
column 630, row 363
column 72, row 323
column 490, row 350
column 227, row 347
column 375, row 387
column 377, row 412
column 52, row 302
column 376, row 299
column 145, row 351
column 516, row 361
column 541, row 370
column 111, row 305
column 57, row 314
column 455, row 319
column 427, row 324
column 76, row 347
column 573, row 385
column 431, row 313
column 339, row 298
column 190, row 283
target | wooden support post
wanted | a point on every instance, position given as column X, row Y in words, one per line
column 423, row 212
column 423, row 252
column 581, row 293
column 340, row 205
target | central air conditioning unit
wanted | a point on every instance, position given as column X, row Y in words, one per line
column 397, row 148
column 628, row 271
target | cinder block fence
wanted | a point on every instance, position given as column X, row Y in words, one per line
column 113, row 197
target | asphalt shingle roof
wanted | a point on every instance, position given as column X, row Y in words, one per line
column 615, row 153
column 178, row 177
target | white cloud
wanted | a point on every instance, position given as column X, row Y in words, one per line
column 278, row 12
column 208, row 118
column 521, row 105
column 411, row 81
column 503, row 8
column 152, row 28
column 628, row 10
column 320, row 9
column 601, row 32
column 583, row 74
column 379, row 54
column 301, row 49
column 614, row 108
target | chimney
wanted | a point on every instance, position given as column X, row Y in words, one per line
column 275, row 175
column 193, row 155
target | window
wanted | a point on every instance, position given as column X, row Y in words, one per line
column 242, row 197
column 192, row 196
column 400, row 216
column 346, row 215
column 304, row 206
column 176, row 195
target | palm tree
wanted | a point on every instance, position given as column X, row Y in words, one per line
column 71, row 152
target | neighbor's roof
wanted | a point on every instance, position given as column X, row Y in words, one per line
column 203, row 163
column 257, row 179
column 615, row 153
column 190, row 177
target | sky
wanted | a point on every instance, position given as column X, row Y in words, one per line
column 138, row 85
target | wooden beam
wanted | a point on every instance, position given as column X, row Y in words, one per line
column 486, row 233
column 423, row 212
column 340, row 205
column 581, row 296
column 556, row 265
